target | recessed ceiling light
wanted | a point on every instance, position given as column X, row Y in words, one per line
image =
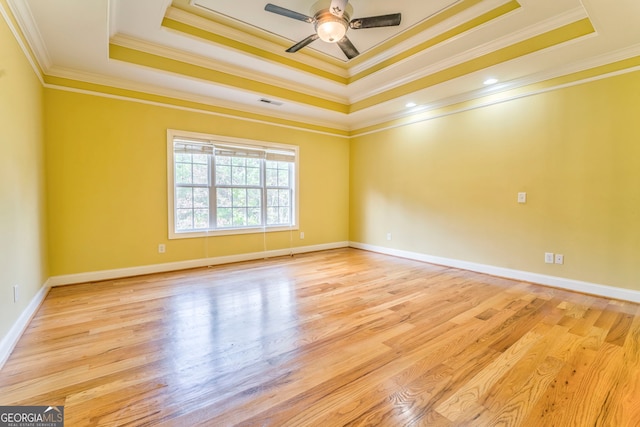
column 490, row 81
column 410, row 104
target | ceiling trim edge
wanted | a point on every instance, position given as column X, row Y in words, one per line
column 394, row 51
column 515, row 90
column 9, row 14
column 190, row 58
column 204, row 30
column 539, row 42
column 164, row 100
column 132, row 56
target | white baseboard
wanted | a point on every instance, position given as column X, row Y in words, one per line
column 10, row 340
column 556, row 282
column 95, row 276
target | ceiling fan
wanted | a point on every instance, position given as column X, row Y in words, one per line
column 331, row 22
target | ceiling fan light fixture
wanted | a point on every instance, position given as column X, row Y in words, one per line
column 331, row 29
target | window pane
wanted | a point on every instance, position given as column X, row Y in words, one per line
column 201, row 174
column 201, row 219
column 272, row 216
column 253, row 216
column 224, row 198
column 239, row 197
column 201, row 158
column 239, row 175
column 183, row 157
column 183, row 173
column 283, row 215
column 224, row 217
column 223, row 175
column 283, row 198
column 223, row 160
column 238, row 161
column 272, row 197
column 254, row 198
column 253, row 163
column 201, row 198
column 184, row 219
column 253, row 176
column 272, row 177
column 239, row 217
column 184, row 198
column 283, row 178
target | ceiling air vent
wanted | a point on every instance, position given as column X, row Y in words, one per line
column 269, row 101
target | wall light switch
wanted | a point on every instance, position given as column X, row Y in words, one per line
column 548, row 257
column 522, row 197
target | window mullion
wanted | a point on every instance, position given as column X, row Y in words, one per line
column 213, row 194
column 263, row 190
column 292, row 202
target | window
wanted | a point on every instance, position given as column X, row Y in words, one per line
column 221, row 185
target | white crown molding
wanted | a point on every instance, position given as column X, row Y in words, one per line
column 429, row 34
column 542, row 279
column 125, row 84
column 24, row 17
column 183, row 56
column 206, row 112
column 468, row 55
column 8, row 343
column 94, row 276
column 493, row 96
column 25, row 50
column 420, row 114
column 251, row 40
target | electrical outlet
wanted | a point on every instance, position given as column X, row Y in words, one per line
column 522, row 197
column 162, row 248
column 15, row 293
column 548, row 257
column 559, row 259
column 302, row 235
column 388, row 236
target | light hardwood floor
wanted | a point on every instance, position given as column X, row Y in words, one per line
column 342, row 337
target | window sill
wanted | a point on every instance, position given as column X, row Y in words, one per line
column 230, row 232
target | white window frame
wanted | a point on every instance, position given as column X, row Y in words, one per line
column 173, row 134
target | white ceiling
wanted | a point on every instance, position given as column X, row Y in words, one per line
column 71, row 39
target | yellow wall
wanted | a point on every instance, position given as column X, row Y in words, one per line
column 83, row 183
column 107, row 184
column 448, row 187
column 23, row 257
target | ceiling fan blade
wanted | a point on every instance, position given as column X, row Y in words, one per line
column 338, row 7
column 296, row 47
column 376, row 21
column 288, row 13
column 348, row 48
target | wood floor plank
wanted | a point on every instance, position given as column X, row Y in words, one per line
column 472, row 391
column 339, row 337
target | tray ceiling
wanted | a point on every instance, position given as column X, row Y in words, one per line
column 231, row 55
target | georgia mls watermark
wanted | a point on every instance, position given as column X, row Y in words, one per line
column 31, row 416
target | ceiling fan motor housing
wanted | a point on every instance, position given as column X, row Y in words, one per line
column 324, row 5
column 331, row 28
